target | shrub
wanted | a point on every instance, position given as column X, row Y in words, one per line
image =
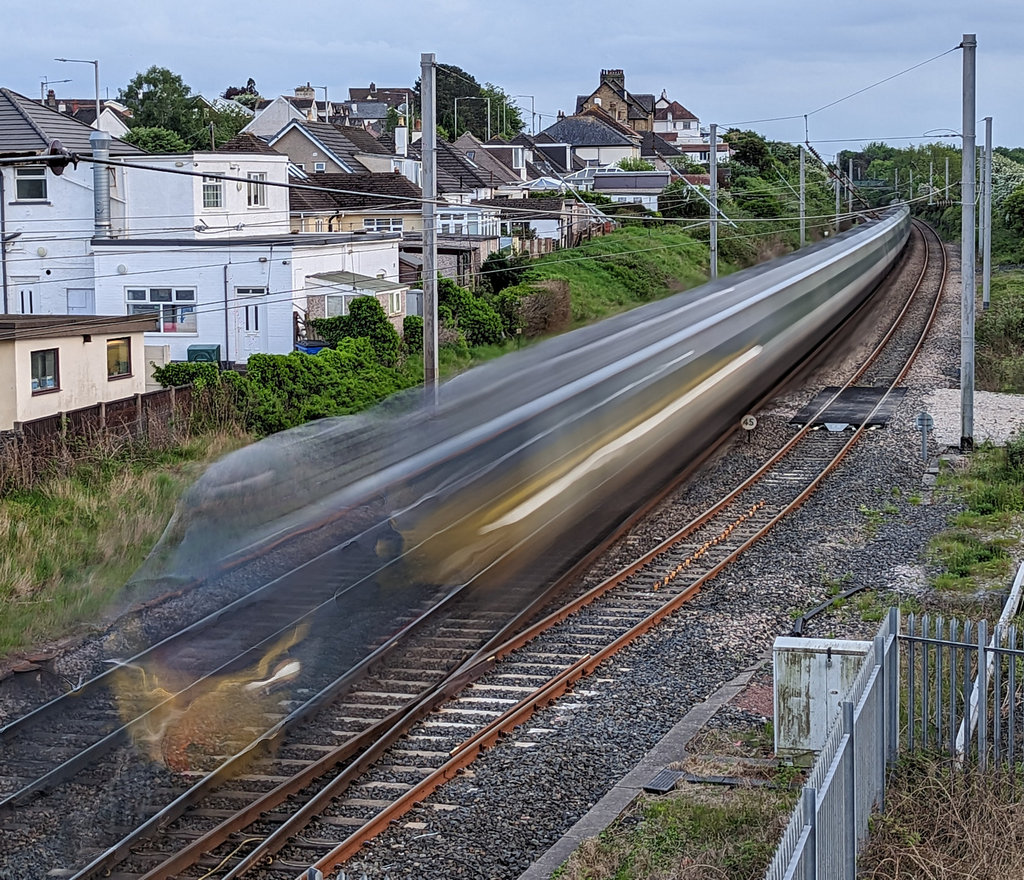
column 365, row 320
column 412, row 333
column 504, row 269
column 473, row 316
column 197, row 374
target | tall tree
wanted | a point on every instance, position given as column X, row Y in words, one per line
column 453, row 82
column 153, row 139
column 247, row 95
column 160, row 98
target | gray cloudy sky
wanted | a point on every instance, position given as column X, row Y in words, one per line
column 728, row 62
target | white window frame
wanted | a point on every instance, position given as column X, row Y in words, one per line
column 174, row 307
column 395, row 302
column 384, row 224
column 213, row 191
column 256, row 190
column 336, row 304
column 29, row 175
column 319, row 166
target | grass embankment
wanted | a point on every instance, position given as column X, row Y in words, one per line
column 68, row 545
column 712, row 833
column 607, row 275
column 631, row 266
column 1000, row 336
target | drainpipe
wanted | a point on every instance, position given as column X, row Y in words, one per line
column 3, row 238
column 99, row 142
column 227, row 334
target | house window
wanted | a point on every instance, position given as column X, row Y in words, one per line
column 337, row 303
column 395, row 302
column 687, row 124
column 257, row 191
column 175, row 308
column 301, row 166
column 517, row 158
column 119, row 358
column 319, row 224
column 319, row 166
column 383, row 224
column 30, row 183
column 213, row 192
column 45, row 376
column 250, row 291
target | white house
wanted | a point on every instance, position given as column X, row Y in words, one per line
column 200, row 240
column 47, row 221
column 243, row 294
column 674, row 122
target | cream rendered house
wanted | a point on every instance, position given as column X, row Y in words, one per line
column 57, row 363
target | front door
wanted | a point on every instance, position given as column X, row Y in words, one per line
column 21, row 295
column 250, row 322
column 81, row 301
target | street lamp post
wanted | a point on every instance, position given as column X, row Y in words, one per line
column 533, row 112
column 49, row 82
column 96, row 70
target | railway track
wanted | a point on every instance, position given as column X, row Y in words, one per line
column 296, row 796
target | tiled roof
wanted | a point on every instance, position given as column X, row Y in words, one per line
column 608, row 119
column 587, row 131
column 455, row 171
column 654, row 144
column 393, row 97
column 677, row 110
column 490, row 164
column 343, row 141
column 27, row 127
column 406, row 194
column 365, row 109
column 526, row 209
column 246, row 142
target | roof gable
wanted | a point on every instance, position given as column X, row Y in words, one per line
column 28, row 127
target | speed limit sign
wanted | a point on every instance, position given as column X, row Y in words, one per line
column 748, row 423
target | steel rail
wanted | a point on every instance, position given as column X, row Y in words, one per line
column 272, row 844
column 483, row 660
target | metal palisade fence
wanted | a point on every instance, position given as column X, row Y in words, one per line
column 962, row 695
column 848, row 777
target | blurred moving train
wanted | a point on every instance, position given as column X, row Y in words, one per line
column 530, row 460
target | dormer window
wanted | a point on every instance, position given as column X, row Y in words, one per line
column 517, row 158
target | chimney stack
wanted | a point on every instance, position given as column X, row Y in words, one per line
column 401, row 140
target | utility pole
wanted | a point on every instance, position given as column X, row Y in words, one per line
column 931, row 175
column 849, row 189
column 910, row 198
column 428, row 109
column 986, row 213
column 947, row 178
column 838, row 190
column 713, row 169
column 803, row 201
column 967, row 233
column 429, row 155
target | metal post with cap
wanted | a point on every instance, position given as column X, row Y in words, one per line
column 967, row 235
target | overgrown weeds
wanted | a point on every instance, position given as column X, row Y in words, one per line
column 705, row 832
column 68, row 545
column 941, row 822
